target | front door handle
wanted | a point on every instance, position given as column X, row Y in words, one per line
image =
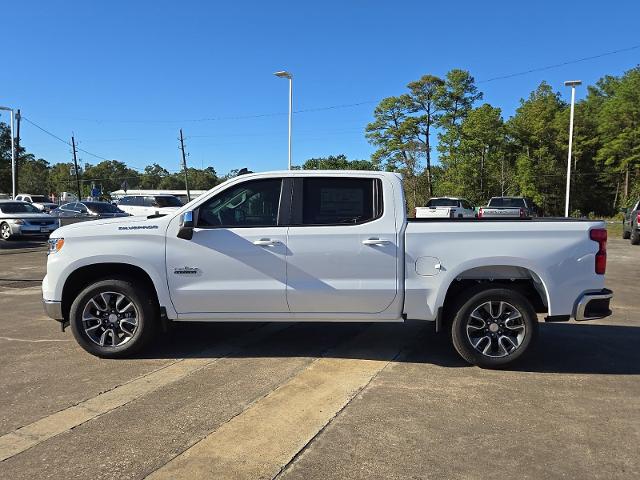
column 375, row 241
column 266, row 242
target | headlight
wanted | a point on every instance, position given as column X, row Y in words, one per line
column 55, row 245
column 18, row 222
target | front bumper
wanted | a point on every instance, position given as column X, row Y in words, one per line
column 53, row 309
column 594, row 305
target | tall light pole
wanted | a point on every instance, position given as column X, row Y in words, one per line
column 284, row 74
column 573, row 84
column 13, row 154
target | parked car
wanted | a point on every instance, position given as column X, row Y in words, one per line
column 144, row 205
column 41, row 202
column 631, row 224
column 307, row 245
column 22, row 218
column 446, row 207
column 509, row 207
column 79, row 211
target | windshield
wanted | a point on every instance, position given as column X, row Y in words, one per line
column 442, row 202
column 507, row 202
column 168, row 201
column 102, row 207
column 39, row 198
column 18, row 207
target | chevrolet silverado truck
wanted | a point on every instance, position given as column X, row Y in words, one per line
column 631, row 224
column 313, row 246
column 446, row 207
column 508, row 207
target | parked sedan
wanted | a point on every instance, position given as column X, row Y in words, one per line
column 87, row 211
column 22, row 218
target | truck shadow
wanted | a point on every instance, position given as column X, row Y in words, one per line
column 562, row 348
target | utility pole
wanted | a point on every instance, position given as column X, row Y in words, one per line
column 17, row 148
column 184, row 167
column 75, row 166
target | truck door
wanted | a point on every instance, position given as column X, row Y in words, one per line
column 343, row 246
column 236, row 260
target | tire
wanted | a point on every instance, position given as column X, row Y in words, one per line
column 493, row 327
column 635, row 236
column 5, row 231
column 105, row 325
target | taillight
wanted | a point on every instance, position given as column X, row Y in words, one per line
column 600, row 235
column 480, row 212
column 521, row 212
column 638, row 219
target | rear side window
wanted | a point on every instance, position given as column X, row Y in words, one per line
column 340, row 201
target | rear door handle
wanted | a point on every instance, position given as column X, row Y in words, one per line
column 375, row 241
column 266, row 242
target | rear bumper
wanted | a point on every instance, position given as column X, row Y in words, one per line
column 53, row 309
column 594, row 305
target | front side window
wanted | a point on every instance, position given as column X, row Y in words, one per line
column 250, row 204
column 340, row 201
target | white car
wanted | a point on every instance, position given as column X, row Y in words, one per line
column 23, row 219
column 313, row 246
column 446, row 207
column 41, row 202
column 145, row 205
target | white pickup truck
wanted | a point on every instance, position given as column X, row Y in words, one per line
column 323, row 246
column 446, row 207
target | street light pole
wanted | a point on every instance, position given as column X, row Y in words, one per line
column 13, row 155
column 572, row 84
column 284, row 74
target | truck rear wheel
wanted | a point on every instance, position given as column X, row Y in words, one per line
column 493, row 327
column 113, row 318
column 635, row 236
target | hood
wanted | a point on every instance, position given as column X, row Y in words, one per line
column 108, row 226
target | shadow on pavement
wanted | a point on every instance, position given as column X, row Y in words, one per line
column 562, row 348
column 10, row 246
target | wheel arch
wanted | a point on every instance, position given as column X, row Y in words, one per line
column 519, row 278
column 83, row 276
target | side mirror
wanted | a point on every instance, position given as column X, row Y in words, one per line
column 186, row 226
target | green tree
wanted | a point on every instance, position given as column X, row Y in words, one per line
column 338, row 162
column 426, row 97
column 619, row 127
column 110, row 174
column 152, row 176
column 540, row 161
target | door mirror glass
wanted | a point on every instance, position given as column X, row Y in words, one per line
column 186, row 226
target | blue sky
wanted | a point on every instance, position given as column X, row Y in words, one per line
column 126, row 75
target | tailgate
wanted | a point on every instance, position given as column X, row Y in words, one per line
column 433, row 212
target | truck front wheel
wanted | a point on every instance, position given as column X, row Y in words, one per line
column 114, row 318
column 493, row 327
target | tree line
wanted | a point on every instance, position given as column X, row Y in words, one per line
column 445, row 142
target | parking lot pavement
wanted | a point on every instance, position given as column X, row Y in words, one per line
column 316, row 400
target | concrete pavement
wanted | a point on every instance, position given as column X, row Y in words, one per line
column 317, row 400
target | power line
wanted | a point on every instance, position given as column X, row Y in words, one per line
column 557, row 65
column 62, row 140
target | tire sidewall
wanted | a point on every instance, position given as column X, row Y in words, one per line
column 4, row 226
column 147, row 317
column 475, row 299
